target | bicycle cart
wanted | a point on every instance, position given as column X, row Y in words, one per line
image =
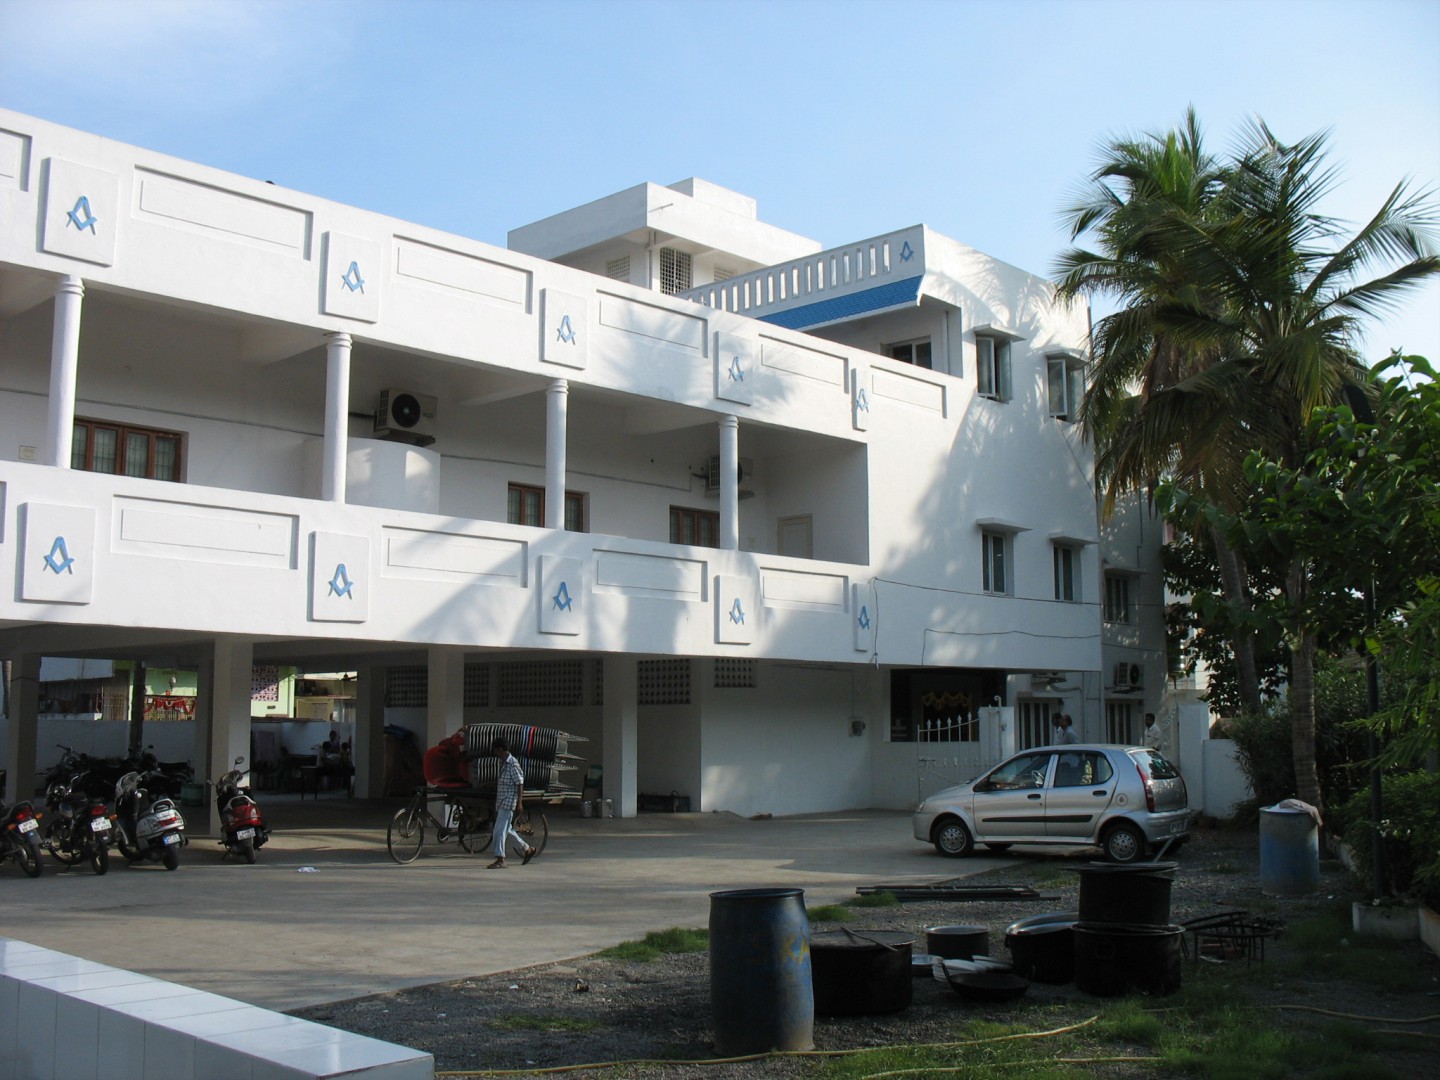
column 467, row 816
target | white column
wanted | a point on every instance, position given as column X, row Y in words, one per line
column 337, row 415
column 729, row 483
column 445, row 702
column 619, row 727
column 64, row 369
column 557, row 407
column 21, row 732
column 222, row 722
column 369, row 745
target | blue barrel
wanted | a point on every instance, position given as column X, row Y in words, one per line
column 761, row 991
column 1289, row 852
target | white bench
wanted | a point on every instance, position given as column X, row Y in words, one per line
column 65, row 1018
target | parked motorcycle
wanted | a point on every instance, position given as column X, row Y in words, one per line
column 18, row 841
column 76, row 825
column 242, row 826
column 147, row 825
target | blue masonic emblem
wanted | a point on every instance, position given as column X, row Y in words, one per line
column 862, row 400
column 82, row 206
column 737, row 371
column 864, row 619
column 341, row 584
column 907, row 252
column 352, row 279
column 737, row 613
column 59, row 559
column 562, row 598
column 566, row 332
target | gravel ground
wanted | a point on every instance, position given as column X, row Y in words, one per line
column 605, row 1010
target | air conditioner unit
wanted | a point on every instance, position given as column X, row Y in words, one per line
column 407, row 416
column 712, row 476
column 1127, row 676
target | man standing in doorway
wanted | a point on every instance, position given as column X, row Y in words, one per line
column 509, row 800
column 1067, row 734
column 1152, row 735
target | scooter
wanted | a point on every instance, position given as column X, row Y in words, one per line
column 18, row 840
column 147, row 827
column 242, row 826
column 77, row 825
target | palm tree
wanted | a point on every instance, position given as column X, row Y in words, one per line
column 1241, row 312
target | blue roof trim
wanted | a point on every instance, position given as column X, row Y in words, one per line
column 889, row 295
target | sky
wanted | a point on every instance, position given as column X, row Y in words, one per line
column 844, row 119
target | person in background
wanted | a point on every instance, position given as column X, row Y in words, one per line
column 1152, row 735
column 509, row 800
column 1067, row 731
column 330, row 749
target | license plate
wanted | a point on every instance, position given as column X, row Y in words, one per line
column 100, row 824
column 170, row 838
column 29, row 826
column 244, row 834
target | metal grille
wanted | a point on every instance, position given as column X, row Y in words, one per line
column 723, row 273
column 735, row 674
column 477, row 686
column 264, row 683
column 674, row 271
column 597, row 683
column 535, row 683
column 407, row 687
column 618, row 269
column 663, row 682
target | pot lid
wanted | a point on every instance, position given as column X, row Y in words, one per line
column 860, row 939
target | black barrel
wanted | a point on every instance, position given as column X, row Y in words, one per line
column 1130, row 894
column 761, row 988
column 1115, row 960
column 861, row 972
column 957, row 942
column 1042, row 947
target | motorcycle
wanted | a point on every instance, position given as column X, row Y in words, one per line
column 147, row 826
column 18, row 826
column 76, row 825
column 242, row 827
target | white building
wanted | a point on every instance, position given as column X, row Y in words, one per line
column 778, row 528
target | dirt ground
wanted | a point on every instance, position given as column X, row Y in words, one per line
column 605, row 1010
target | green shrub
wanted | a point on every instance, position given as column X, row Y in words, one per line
column 1410, row 804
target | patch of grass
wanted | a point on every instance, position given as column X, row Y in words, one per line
column 657, row 943
column 1326, row 945
column 543, row 1023
column 869, row 900
column 828, row 913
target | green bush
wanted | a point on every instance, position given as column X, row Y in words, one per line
column 1410, row 804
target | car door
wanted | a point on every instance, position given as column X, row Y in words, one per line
column 1083, row 786
column 1009, row 802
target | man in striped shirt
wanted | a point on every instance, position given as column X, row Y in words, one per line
column 509, row 800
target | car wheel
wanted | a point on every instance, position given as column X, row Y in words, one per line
column 952, row 838
column 997, row 848
column 1123, row 843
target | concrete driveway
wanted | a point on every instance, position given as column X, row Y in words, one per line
column 325, row 914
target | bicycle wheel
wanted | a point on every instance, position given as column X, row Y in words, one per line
column 534, row 828
column 406, row 834
column 474, row 829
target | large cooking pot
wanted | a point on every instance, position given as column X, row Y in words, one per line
column 1128, row 894
column 1113, row 960
column 957, row 942
column 1042, row 947
column 859, row 972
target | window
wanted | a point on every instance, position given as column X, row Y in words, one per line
column 992, row 367
column 1119, row 723
column 1083, row 769
column 911, row 352
column 618, row 269
column 700, row 528
column 526, row 506
column 1117, row 598
column 675, row 275
column 1035, row 720
column 1065, row 382
column 122, row 450
column 993, row 559
column 1067, row 570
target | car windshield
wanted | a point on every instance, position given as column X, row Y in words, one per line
column 1158, row 766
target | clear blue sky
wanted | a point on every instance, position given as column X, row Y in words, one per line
column 844, row 118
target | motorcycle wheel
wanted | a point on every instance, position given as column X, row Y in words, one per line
column 99, row 858
column 247, row 851
column 60, row 850
column 171, row 857
column 132, row 854
column 27, row 854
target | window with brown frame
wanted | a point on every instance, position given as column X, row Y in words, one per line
column 126, row 450
column 526, row 506
column 700, row 528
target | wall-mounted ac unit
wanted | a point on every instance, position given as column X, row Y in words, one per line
column 1127, row 676
column 712, row 476
column 406, row 415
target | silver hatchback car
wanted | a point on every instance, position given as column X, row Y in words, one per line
column 1122, row 798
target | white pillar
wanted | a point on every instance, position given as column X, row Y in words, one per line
column 64, row 369
column 557, row 404
column 619, row 727
column 445, row 700
column 222, row 722
column 21, row 732
column 729, row 483
column 337, row 416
